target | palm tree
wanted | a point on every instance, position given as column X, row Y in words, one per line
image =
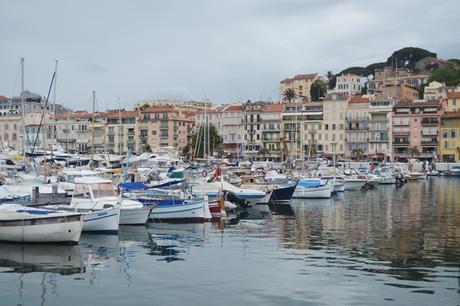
column 413, row 151
column 357, row 153
column 289, row 95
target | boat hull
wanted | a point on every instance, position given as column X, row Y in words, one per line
column 354, row 184
column 134, row 216
column 282, row 194
column 181, row 212
column 317, row 192
column 104, row 221
column 43, row 230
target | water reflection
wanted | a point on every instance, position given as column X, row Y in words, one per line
column 26, row 258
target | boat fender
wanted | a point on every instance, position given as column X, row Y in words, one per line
column 61, row 179
column 204, row 173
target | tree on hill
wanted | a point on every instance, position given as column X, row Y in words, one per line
column 331, row 80
column 318, row 89
column 363, row 71
column 407, row 57
column 455, row 62
column 374, row 66
column 289, row 95
column 448, row 75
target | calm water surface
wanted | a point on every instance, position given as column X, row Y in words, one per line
column 387, row 246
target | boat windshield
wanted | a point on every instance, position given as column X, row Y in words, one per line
column 99, row 190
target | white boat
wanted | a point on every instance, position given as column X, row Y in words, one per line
column 313, row 188
column 454, row 171
column 25, row 224
column 212, row 190
column 102, row 194
column 181, row 211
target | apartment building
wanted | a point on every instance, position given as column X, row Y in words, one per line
column 161, row 127
column 449, row 145
column 270, row 122
column 301, row 84
column 349, row 84
column 357, row 125
column 416, row 125
column 121, row 131
column 233, row 128
column 332, row 129
column 380, row 127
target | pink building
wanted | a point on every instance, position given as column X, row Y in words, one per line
column 416, row 126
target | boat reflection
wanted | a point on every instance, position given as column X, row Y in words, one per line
column 26, row 258
column 172, row 241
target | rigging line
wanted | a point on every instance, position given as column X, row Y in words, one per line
column 43, row 115
column 15, row 82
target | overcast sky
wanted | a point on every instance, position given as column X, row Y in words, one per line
column 225, row 51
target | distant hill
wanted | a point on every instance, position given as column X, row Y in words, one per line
column 407, row 57
column 363, row 71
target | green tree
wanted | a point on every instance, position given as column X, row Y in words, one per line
column 413, row 151
column 146, row 148
column 289, row 95
column 421, row 91
column 363, row 71
column 448, row 75
column 357, row 153
column 200, row 138
column 331, row 80
column 407, row 57
column 318, row 89
column 364, row 89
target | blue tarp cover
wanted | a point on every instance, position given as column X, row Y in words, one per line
column 133, row 186
column 303, row 183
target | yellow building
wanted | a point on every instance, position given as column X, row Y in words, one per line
column 121, row 131
column 331, row 133
column 450, row 129
column 301, row 84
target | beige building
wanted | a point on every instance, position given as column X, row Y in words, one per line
column 270, row 123
column 332, row 129
column 301, row 84
column 121, row 132
column 161, row 127
column 233, row 129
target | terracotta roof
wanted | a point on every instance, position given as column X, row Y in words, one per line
column 122, row 114
column 233, row 108
column 451, row 115
column 359, row 99
column 409, row 103
column 3, row 98
column 77, row 115
column 273, row 108
column 160, row 110
column 310, row 76
column 453, row 95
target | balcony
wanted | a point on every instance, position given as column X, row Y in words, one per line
column 430, row 143
column 354, row 128
column 401, row 143
column 430, row 122
column 405, row 132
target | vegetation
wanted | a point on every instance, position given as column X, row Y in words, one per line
column 448, row 75
column 289, row 95
column 421, row 91
column 374, row 66
column 413, row 151
column 331, row 80
column 407, row 57
column 146, row 148
column 318, row 90
column 213, row 142
column 363, row 71
column 364, row 89
column 357, row 153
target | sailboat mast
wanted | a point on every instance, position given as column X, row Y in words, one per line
column 205, row 130
column 119, row 127
column 23, row 129
column 92, row 131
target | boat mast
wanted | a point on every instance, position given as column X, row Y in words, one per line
column 92, row 131
column 23, row 129
column 119, row 127
column 205, row 129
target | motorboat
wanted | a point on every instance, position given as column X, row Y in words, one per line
column 279, row 193
column 454, row 171
column 214, row 189
column 313, row 188
column 20, row 223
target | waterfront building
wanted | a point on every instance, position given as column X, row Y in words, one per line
column 301, row 84
column 349, row 84
column 252, row 127
column 357, row 125
column 380, row 127
column 213, row 116
column 161, row 127
column 450, row 129
column 73, row 131
column 233, row 129
column 416, row 127
column 270, row 123
column 331, row 131
column 121, row 131
column 185, row 105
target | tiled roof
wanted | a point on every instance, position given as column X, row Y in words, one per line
column 359, row 99
column 453, row 95
column 122, row 114
column 3, row 98
column 77, row 115
column 160, row 110
column 409, row 103
column 233, row 108
column 310, row 76
column 273, row 108
column 451, row 115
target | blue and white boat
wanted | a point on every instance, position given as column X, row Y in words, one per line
column 314, row 188
column 214, row 189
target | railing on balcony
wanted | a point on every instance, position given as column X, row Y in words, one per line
column 399, row 142
column 430, row 121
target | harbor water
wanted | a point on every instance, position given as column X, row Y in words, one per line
column 387, row 246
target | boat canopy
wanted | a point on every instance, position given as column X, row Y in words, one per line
column 133, row 186
column 303, row 183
